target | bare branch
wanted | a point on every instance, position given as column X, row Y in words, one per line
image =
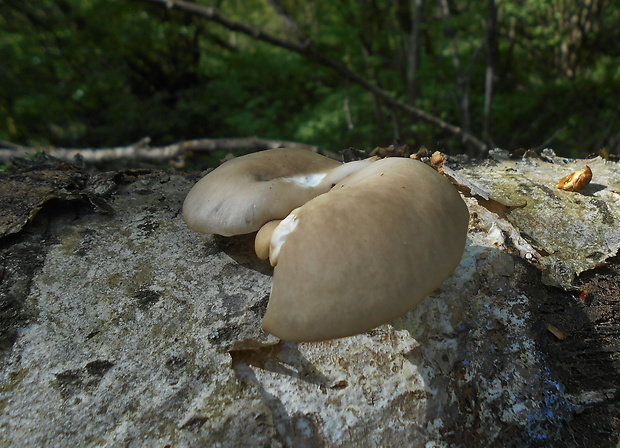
column 289, row 23
column 11, row 145
column 306, row 50
column 142, row 151
column 549, row 139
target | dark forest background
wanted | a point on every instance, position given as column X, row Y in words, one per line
column 511, row 74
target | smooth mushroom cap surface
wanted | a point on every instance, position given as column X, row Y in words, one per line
column 367, row 252
column 243, row 194
column 262, row 241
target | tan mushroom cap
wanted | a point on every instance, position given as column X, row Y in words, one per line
column 367, row 252
column 262, row 241
column 243, row 194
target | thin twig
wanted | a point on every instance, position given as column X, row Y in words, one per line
column 548, row 140
column 143, row 152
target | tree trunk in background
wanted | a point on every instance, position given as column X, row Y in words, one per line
column 492, row 52
column 417, row 12
column 462, row 78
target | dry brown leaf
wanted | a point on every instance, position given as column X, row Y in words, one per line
column 577, row 180
column 584, row 296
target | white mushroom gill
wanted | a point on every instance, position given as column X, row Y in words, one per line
column 279, row 235
column 307, row 180
column 330, row 178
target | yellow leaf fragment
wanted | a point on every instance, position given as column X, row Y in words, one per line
column 577, row 180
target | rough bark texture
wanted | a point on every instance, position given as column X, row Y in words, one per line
column 127, row 329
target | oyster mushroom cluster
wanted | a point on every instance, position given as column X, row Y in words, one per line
column 354, row 245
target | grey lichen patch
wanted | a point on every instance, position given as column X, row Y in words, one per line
column 572, row 231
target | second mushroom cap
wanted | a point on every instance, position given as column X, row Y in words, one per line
column 367, row 252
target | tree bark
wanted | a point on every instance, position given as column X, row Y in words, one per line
column 132, row 321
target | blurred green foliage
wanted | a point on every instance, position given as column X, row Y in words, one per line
column 100, row 73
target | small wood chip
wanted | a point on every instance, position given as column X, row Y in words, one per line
column 576, row 181
column 437, row 159
column 555, row 331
